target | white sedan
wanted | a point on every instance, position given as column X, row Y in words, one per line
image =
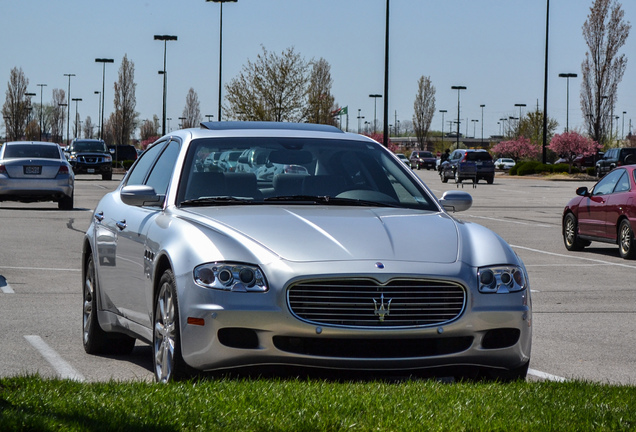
column 504, row 163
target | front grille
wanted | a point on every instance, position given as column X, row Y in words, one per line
column 90, row 159
column 367, row 303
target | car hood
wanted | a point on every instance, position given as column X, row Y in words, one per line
column 310, row 233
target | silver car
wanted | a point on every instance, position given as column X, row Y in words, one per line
column 32, row 171
column 354, row 265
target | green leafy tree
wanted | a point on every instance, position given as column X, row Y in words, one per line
column 531, row 127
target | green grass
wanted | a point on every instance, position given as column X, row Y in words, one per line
column 34, row 403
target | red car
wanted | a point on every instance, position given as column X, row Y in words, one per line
column 606, row 213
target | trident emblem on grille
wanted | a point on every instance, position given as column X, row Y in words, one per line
column 383, row 309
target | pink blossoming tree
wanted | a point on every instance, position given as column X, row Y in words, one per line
column 569, row 145
column 521, row 148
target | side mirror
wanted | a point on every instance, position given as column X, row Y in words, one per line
column 582, row 191
column 456, row 201
column 140, row 195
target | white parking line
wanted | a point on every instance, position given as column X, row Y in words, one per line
column 5, row 287
column 511, row 221
column 64, row 369
column 546, row 376
column 597, row 261
column 40, row 269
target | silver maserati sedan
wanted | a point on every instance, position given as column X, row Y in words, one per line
column 350, row 264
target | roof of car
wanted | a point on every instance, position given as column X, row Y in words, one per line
column 234, row 125
column 31, row 142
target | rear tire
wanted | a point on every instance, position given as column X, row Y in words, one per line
column 626, row 245
column 66, row 203
column 96, row 340
column 457, row 178
column 107, row 176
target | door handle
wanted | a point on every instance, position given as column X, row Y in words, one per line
column 99, row 216
column 121, row 224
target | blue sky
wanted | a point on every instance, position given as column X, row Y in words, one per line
column 493, row 47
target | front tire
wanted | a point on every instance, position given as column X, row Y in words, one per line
column 96, row 340
column 168, row 361
column 626, row 245
column 65, row 203
column 571, row 234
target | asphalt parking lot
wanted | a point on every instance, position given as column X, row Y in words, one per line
column 584, row 302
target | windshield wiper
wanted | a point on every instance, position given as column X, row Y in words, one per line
column 325, row 199
column 220, row 200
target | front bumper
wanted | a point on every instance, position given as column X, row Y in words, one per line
column 249, row 329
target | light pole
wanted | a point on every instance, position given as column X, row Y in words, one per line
column 41, row 108
column 474, row 127
column 76, row 100
column 520, row 105
column 103, row 61
column 375, row 97
column 623, row 126
column 459, row 89
column 99, row 108
column 165, row 39
column 221, row 45
column 567, row 76
column 30, row 107
column 386, row 76
column 443, row 112
column 482, row 123
column 359, row 118
column 545, row 85
column 68, row 117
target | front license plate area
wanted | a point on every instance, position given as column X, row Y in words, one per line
column 33, row 170
column 91, row 170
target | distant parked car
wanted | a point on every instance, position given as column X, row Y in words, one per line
column 123, row 152
column 404, row 159
column 90, row 156
column 606, row 213
column 504, row 163
column 464, row 164
column 615, row 157
column 423, row 159
column 36, row 171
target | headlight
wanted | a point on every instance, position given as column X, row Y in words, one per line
column 501, row 279
column 230, row 277
column 72, row 157
column 108, row 159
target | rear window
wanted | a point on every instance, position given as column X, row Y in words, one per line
column 31, row 151
column 478, row 156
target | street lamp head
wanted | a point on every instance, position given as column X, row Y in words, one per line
column 482, row 106
column 443, row 111
column 29, row 94
column 221, row 1
column 458, row 87
column 520, row 105
column 165, row 37
column 104, row 60
column 568, row 75
column 375, row 95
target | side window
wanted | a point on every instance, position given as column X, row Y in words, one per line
column 623, row 183
column 160, row 175
column 144, row 164
column 607, row 184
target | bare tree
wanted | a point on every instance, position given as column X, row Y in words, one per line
column 273, row 88
column 15, row 109
column 149, row 128
column 605, row 32
column 125, row 117
column 58, row 115
column 320, row 101
column 424, row 108
column 88, row 127
column 192, row 110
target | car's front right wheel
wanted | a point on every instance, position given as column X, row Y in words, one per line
column 168, row 361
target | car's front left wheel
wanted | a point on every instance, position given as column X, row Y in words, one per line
column 571, row 234
column 168, row 361
column 626, row 245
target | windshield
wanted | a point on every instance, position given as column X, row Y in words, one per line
column 88, row 146
column 298, row 171
column 31, row 151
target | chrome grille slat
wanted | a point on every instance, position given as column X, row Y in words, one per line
column 413, row 302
